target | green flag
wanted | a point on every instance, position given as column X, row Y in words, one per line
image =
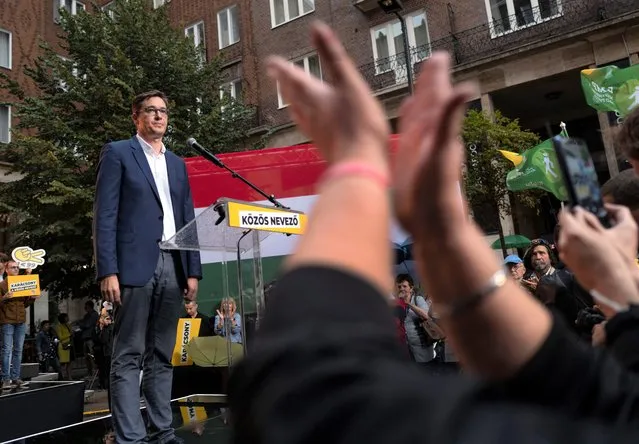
column 611, row 88
column 539, row 169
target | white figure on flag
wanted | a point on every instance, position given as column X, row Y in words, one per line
column 635, row 99
column 550, row 166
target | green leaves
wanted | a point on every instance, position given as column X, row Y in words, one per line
column 486, row 168
column 83, row 101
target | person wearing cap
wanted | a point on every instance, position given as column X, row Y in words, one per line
column 517, row 269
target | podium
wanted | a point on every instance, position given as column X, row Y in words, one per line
column 232, row 231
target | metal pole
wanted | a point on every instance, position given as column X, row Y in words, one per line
column 239, row 287
column 407, row 55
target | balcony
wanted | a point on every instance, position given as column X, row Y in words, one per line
column 391, row 72
column 510, row 33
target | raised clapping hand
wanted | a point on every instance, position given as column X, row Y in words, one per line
column 342, row 118
column 428, row 165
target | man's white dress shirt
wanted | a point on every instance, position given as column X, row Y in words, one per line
column 157, row 163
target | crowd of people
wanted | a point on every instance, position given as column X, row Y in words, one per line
column 328, row 366
column 540, row 273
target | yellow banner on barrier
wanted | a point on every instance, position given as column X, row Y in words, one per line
column 187, row 329
column 26, row 285
column 260, row 217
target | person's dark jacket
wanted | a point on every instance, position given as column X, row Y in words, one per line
column 320, row 375
column 105, row 336
column 87, row 324
column 622, row 338
column 562, row 293
column 206, row 325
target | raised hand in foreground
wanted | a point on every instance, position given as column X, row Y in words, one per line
column 602, row 259
column 350, row 220
column 342, row 117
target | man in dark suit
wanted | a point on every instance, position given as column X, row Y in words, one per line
column 142, row 198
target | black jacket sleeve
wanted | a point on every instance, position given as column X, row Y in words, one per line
column 622, row 338
column 327, row 367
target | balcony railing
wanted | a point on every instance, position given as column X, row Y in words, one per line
column 491, row 39
column 391, row 71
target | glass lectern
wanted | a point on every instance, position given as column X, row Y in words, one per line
column 230, row 233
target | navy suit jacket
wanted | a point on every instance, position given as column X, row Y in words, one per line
column 128, row 215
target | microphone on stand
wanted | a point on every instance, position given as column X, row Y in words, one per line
column 192, row 143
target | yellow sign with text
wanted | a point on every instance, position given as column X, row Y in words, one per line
column 26, row 285
column 191, row 414
column 258, row 217
column 187, row 329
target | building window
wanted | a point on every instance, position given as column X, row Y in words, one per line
column 72, row 7
column 196, row 34
column 228, row 27
column 158, row 3
column 510, row 15
column 5, row 49
column 388, row 44
column 310, row 64
column 108, row 8
column 5, row 124
column 231, row 91
column 283, row 11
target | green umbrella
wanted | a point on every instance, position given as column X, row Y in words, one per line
column 212, row 351
column 511, row 241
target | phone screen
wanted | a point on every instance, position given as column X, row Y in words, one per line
column 580, row 176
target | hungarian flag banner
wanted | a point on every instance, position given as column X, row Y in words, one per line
column 611, row 88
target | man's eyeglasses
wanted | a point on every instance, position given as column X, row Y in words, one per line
column 154, row 110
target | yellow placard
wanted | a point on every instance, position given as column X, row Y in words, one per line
column 26, row 285
column 258, row 217
column 191, row 413
column 187, row 329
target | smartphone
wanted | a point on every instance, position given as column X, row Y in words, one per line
column 580, row 176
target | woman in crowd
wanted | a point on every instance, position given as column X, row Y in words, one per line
column 228, row 322
column 327, row 366
column 421, row 345
column 65, row 335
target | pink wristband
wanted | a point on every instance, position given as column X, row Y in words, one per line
column 355, row 168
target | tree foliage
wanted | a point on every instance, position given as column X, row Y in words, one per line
column 84, row 100
column 486, row 169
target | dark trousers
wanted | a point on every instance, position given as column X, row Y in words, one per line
column 104, row 368
column 144, row 337
column 53, row 363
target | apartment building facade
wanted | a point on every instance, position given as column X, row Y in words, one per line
column 525, row 55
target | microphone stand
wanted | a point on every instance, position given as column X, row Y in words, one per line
column 270, row 197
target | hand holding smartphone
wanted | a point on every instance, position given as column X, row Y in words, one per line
column 580, row 177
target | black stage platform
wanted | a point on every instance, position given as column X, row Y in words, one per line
column 196, row 419
column 40, row 406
